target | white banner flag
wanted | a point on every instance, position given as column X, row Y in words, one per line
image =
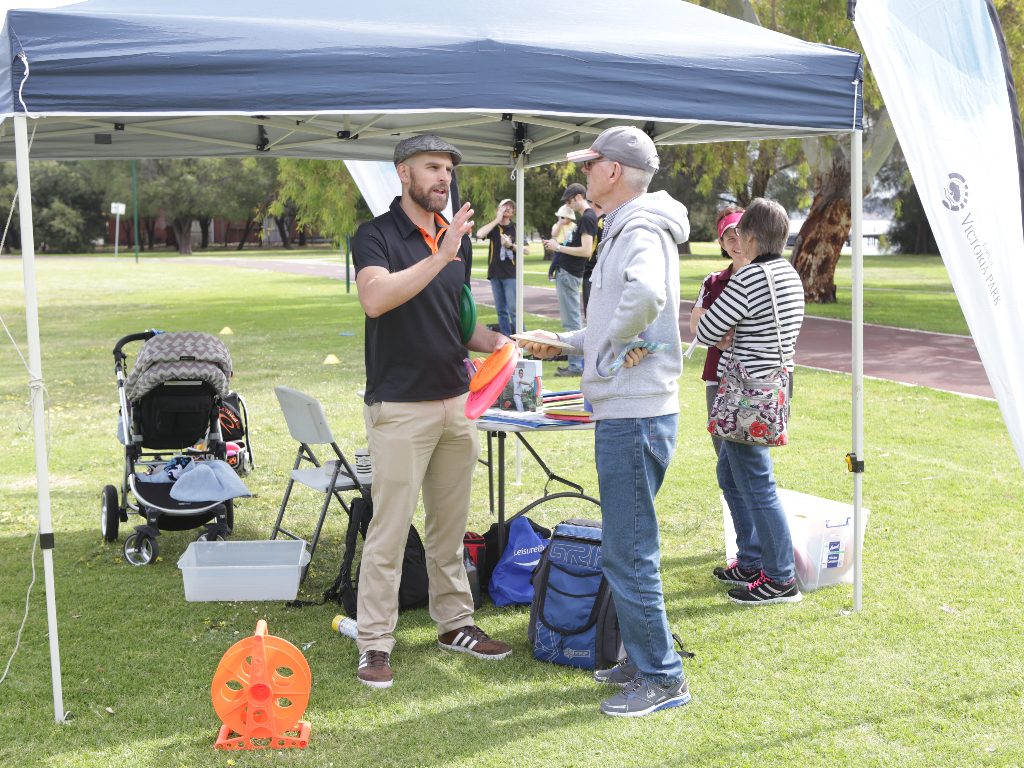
column 940, row 68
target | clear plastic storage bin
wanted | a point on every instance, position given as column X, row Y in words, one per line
column 243, row 570
column 822, row 531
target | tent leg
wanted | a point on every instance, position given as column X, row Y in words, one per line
column 521, row 235
column 857, row 259
column 37, row 391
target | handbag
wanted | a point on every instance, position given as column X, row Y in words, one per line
column 753, row 410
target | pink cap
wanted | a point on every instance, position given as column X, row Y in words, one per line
column 729, row 221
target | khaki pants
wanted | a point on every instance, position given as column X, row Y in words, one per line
column 433, row 446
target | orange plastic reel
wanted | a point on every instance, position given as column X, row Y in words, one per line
column 493, row 365
column 260, row 691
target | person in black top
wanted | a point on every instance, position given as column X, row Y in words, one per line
column 502, row 250
column 588, row 269
column 572, row 259
column 411, row 266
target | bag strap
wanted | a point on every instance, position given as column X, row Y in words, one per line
column 770, row 277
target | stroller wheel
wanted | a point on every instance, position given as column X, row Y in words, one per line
column 140, row 549
column 110, row 514
column 210, row 536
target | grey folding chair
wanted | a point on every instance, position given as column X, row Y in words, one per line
column 334, row 477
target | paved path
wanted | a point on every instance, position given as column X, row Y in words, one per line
column 936, row 360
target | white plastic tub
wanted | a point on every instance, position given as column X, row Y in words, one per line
column 822, row 531
column 243, row 570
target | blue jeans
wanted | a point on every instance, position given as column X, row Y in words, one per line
column 504, row 291
column 632, row 457
column 763, row 541
column 568, row 288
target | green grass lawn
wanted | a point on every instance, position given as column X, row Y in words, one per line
column 927, row 674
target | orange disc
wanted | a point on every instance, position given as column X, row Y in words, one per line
column 493, row 365
column 245, row 687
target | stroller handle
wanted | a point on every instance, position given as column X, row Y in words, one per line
column 143, row 336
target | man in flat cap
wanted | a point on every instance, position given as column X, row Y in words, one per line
column 634, row 299
column 411, row 266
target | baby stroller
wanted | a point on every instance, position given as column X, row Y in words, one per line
column 170, row 414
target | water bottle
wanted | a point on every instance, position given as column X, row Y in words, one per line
column 343, row 625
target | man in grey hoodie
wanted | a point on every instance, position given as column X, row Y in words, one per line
column 634, row 298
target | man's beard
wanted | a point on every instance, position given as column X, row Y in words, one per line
column 423, row 197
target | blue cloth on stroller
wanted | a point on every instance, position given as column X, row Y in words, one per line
column 212, row 480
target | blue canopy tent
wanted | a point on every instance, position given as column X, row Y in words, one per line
column 310, row 78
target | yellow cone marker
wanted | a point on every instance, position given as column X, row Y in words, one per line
column 332, row 360
column 226, row 331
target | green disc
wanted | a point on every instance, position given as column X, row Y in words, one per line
column 467, row 313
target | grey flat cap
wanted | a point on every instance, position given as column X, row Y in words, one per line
column 428, row 142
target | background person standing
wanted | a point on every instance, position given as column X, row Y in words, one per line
column 572, row 260
column 502, row 251
column 711, row 289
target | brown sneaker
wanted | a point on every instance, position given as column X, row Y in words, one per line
column 474, row 641
column 375, row 669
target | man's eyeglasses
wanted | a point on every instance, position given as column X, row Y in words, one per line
column 588, row 164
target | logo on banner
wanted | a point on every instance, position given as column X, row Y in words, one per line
column 955, row 193
column 954, row 197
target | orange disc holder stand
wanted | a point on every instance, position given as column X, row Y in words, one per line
column 260, row 691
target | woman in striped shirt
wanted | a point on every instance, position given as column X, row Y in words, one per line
column 764, row 571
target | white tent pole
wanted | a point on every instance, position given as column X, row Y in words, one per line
column 521, row 235
column 521, row 238
column 857, row 259
column 37, row 390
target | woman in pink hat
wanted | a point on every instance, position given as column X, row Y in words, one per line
column 711, row 289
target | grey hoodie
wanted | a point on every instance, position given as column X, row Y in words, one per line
column 635, row 295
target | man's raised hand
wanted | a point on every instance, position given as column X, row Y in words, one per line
column 462, row 225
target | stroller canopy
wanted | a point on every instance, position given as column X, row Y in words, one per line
column 180, row 357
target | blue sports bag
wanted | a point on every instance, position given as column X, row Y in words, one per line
column 511, row 581
column 572, row 617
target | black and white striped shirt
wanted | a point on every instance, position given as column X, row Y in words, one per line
column 746, row 304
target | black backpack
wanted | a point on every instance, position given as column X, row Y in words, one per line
column 572, row 618
column 412, row 591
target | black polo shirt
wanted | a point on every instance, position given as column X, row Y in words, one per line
column 588, row 269
column 414, row 351
column 587, row 225
column 497, row 267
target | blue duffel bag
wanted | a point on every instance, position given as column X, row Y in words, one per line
column 511, row 582
column 572, row 617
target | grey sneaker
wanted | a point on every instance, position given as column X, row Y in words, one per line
column 620, row 674
column 639, row 698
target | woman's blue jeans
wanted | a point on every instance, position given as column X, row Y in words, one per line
column 632, row 457
column 763, row 541
column 504, row 292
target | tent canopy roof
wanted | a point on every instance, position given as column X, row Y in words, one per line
column 311, row 78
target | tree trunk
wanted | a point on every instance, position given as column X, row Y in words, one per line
column 817, row 247
column 183, row 234
column 245, row 233
column 204, row 233
column 302, row 235
column 282, row 229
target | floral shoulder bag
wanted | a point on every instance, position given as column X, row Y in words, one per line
column 753, row 410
